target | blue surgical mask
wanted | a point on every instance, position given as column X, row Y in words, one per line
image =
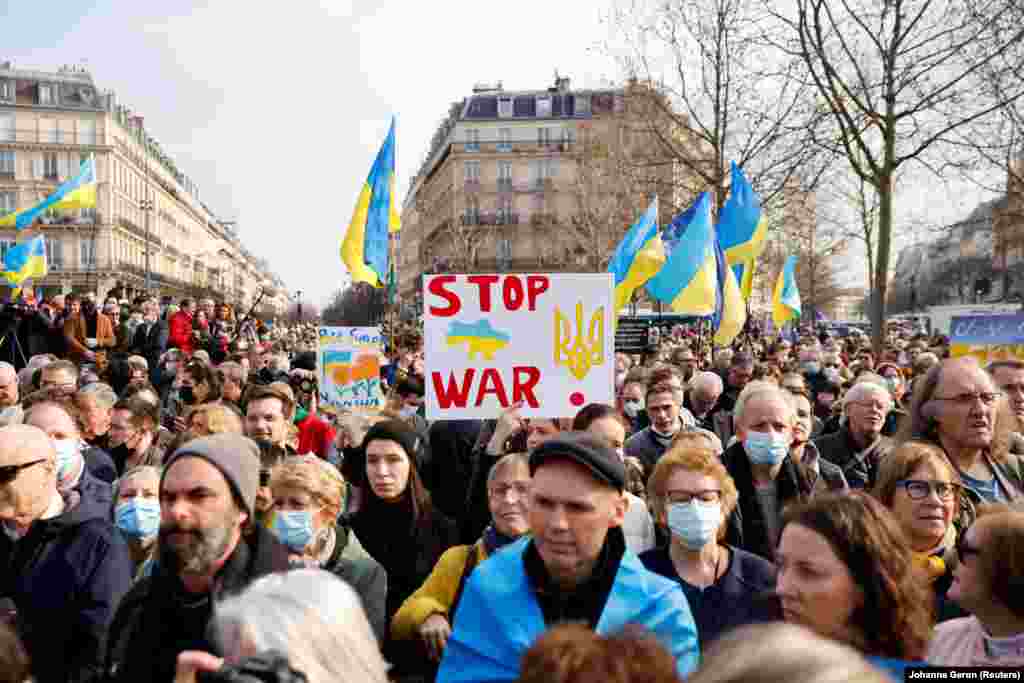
column 766, row 448
column 138, row 518
column 695, row 523
column 633, row 408
column 294, row 528
column 67, row 456
column 811, row 367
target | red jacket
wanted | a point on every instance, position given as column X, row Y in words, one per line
column 315, row 436
column 180, row 326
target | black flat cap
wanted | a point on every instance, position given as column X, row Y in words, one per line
column 587, row 450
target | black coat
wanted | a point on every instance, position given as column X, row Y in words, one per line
column 747, row 528
column 158, row 620
column 66, row 578
column 151, row 343
column 450, row 470
column 99, row 462
column 859, row 467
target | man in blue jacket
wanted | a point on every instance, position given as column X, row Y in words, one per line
column 574, row 568
column 62, row 563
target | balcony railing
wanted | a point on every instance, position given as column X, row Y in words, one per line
column 523, row 146
column 487, row 218
column 49, row 137
column 510, row 186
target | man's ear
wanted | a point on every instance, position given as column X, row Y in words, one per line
column 621, row 504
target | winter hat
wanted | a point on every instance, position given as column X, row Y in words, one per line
column 237, row 457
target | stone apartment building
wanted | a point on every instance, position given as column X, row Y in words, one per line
column 536, row 180
column 49, row 123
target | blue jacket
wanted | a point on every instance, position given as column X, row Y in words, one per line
column 66, row 577
column 498, row 617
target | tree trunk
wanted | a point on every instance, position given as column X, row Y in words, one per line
column 885, row 202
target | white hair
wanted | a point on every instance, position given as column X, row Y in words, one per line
column 102, row 393
column 862, row 390
column 314, row 618
column 710, row 382
column 758, row 389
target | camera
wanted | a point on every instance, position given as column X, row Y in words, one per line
column 269, row 667
column 266, row 376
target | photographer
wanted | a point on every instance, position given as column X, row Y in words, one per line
column 315, row 435
column 313, row 619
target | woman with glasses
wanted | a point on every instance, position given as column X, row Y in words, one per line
column 988, row 583
column 845, row 572
column 922, row 490
column 427, row 615
column 726, row 587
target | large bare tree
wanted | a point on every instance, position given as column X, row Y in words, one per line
column 904, row 82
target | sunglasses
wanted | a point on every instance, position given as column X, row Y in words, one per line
column 963, row 551
column 9, row 473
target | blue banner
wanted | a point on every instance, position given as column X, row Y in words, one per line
column 989, row 330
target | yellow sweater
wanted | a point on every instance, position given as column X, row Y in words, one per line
column 437, row 593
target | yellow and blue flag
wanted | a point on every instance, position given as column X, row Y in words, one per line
column 786, row 300
column 730, row 308
column 365, row 247
column 638, row 257
column 688, row 282
column 77, row 193
column 25, row 260
column 742, row 229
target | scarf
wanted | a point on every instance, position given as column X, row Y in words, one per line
column 300, row 414
column 933, row 566
column 494, row 540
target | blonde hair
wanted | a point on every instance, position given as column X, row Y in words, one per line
column 317, row 477
column 219, row 418
column 696, row 459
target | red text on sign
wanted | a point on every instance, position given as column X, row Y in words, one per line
column 452, row 393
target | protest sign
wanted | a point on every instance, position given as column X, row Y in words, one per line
column 494, row 340
column 348, row 362
column 988, row 338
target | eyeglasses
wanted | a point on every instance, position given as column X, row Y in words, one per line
column 987, row 398
column 963, row 551
column 877, row 407
column 705, row 496
column 918, row 488
column 502, row 490
column 9, row 473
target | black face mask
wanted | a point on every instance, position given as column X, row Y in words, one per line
column 187, row 395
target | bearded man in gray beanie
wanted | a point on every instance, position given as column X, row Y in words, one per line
column 209, row 546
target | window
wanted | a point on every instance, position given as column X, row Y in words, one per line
column 568, row 136
column 582, row 105
column 504, row 211
column 7, row 163
column 7, row 127
column 88, row 214
column 6, row 90
column 543, row 136
column 550, row 169
column 87, row 132
column 472, row 216
column 543, row 107
column 54, row 253
column 472, row 171
column 504, row 175
column 88, row 248
column 7, row 202
column 504, row 139
column 504, row 107
column 472, row 140
column 50, row 170
column 45, row 93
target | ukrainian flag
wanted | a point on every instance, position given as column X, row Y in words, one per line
column 25, row 260
column 638, row 257
column 730, row 308
column 365, row 247
column 77, row 193
column 786, row 300
column 742, row 229
column 688, row 282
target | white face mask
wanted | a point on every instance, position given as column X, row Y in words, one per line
column 407, row 411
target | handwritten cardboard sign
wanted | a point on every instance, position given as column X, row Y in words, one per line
column 492, row 340
column 988, row 338
column 348, row 362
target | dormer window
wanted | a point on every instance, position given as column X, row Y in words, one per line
column 45, row 93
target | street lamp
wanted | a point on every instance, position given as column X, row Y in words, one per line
column 298, row 304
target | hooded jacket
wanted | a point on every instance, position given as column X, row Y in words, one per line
column 158, row 619
column 66, row 576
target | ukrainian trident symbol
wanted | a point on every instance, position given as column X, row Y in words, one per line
column 581, row 352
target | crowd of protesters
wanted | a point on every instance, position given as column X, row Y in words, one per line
column 175, row 501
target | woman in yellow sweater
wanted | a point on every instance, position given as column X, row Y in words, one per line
column 428, row 613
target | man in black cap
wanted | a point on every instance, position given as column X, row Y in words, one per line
column 573, row 568
column 208, row 547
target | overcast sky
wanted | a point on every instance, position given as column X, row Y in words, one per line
column 277, row 109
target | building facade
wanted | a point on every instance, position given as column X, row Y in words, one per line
column 539, row 180
column 150, row 218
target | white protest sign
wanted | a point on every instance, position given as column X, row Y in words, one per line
column 492, row 340
column 348, row 361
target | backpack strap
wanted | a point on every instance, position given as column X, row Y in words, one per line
column 472, row 560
